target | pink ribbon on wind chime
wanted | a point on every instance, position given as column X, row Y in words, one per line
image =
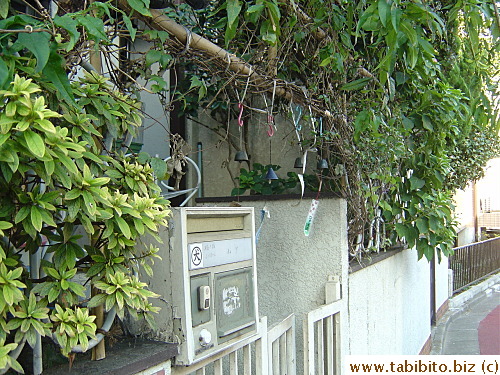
column 271, row 125
column 240, row 101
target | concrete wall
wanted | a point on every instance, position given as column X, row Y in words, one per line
column 155, row 130
column 464, row 215
column 466, row 235
column 292, row 269
column 219, row 167
column 389, row 306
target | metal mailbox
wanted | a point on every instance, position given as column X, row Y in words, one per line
column 207, row 276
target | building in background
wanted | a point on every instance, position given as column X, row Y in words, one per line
column 478, row 207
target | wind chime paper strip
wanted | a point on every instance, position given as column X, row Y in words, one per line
column 310, row 217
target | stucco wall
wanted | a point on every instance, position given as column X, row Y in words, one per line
column 389, row 306
column 292, row 269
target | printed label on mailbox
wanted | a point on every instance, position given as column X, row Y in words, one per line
column 216, row 253
column 196, row 255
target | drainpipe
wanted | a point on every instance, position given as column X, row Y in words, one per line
column 199, row 147
column 475, row 213
column 99, row 352
column 37, row 349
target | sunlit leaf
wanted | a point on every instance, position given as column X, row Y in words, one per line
column 122, row 224
column 141, row 6
column 35, row 143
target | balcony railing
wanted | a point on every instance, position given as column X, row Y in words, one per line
column 473, row 262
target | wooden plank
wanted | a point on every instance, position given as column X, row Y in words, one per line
column 330, row 346
column 261, row 350
column 218, row 367
column 233, row 363
column 291, row 362
column 337, row 339
column 247, row 360
column 275, row 358
column 283, row 352
column 320, row 347
column 308, row 345
column 325, row 310
column 278, row 329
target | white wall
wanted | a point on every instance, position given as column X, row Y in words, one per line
column 389, row 306
column 464, row 212
column 466, row 236
column 442, row 285
column 487, row 199
column 156, row 121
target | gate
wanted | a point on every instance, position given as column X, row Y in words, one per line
column 321, row 340
column 268, row 352
column 273, row 352
column 281, row 347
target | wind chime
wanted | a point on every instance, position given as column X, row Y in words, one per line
column 271, row 126
column 322, row 162
column 241, row 154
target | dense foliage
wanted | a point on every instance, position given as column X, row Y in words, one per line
column 401, row 97
column 73, row 210
column 405, row 94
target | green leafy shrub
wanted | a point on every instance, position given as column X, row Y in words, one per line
column 82, row 210
column 255, row 181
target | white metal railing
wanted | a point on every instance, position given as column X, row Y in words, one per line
column 322, row 340
column 281, row 347
column 269, row 352
column 235, row 359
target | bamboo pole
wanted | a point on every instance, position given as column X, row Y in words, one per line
column 160, row 21
column 99, row 351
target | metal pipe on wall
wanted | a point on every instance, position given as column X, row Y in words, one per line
column 37, row 349
column 199, row 148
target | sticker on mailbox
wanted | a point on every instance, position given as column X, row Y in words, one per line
column 196, row 255
column 230, row 299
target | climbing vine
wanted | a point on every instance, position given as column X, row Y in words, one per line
column 411, row 94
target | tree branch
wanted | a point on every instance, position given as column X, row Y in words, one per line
column 27, row 30
column 191, row 40
column 497, row 16
column 318, row 34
